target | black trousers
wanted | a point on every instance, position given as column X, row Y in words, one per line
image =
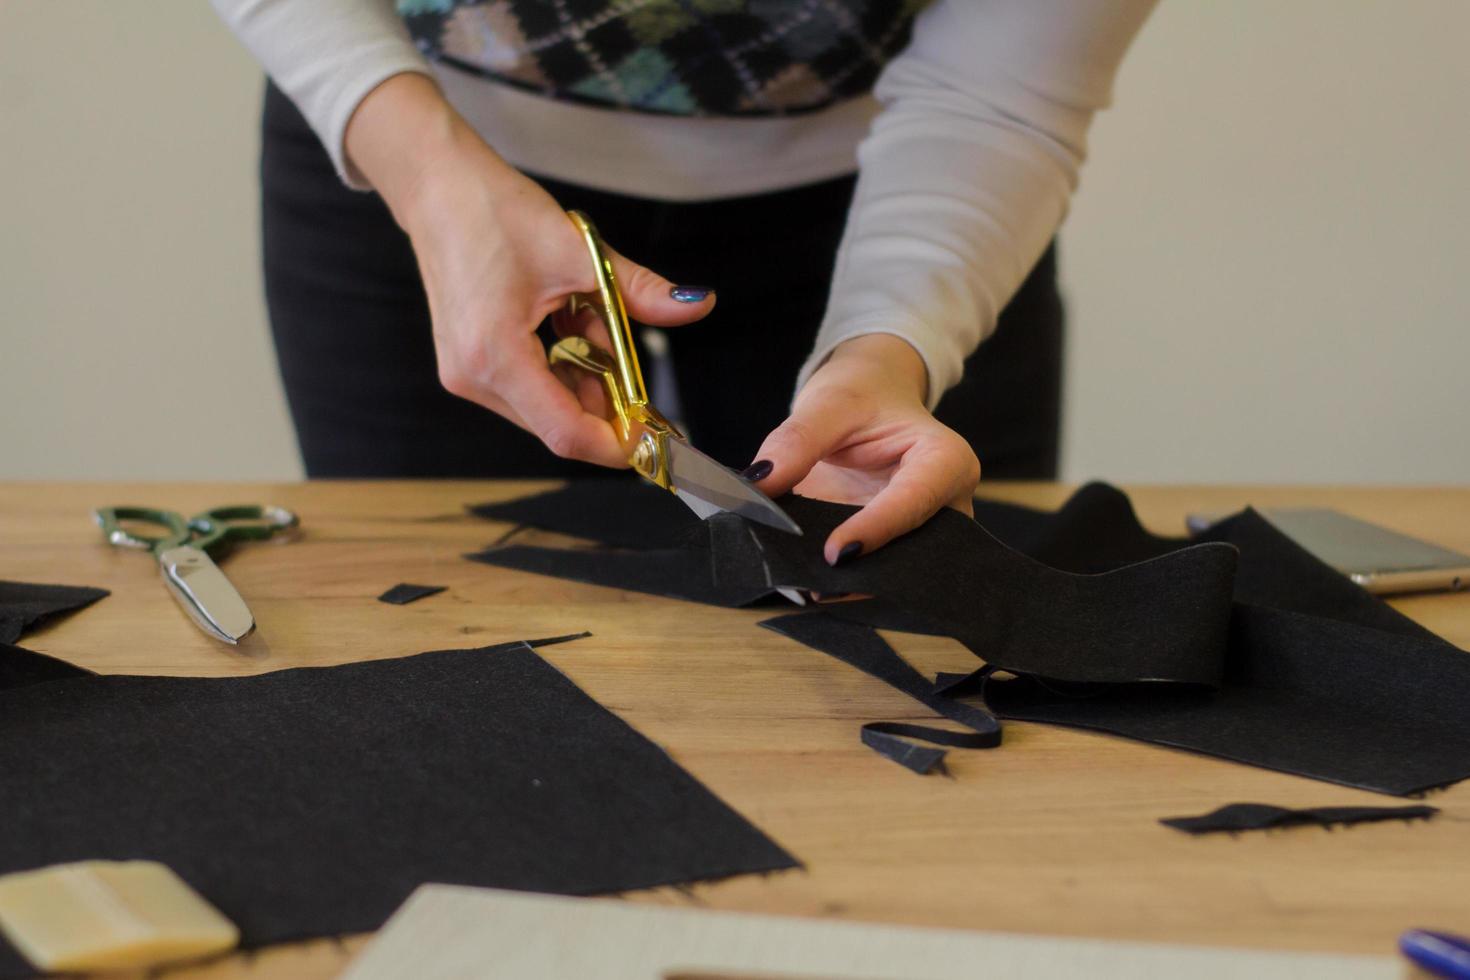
column 352, row 330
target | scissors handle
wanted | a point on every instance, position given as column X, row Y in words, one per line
column 241, row 522
column 110, row 520
column 641, row 429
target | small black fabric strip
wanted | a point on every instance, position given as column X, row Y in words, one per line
column 1260, row 816
column 404, row 593
column 891, row 740
column 312, row 801
column 24, row 605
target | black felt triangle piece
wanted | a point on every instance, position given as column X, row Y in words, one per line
column 312, row 801
column 404, row 593
column 1236, row 817
column 24, row 605
column 621, row 512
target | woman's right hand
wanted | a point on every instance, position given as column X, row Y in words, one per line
column 497, row 255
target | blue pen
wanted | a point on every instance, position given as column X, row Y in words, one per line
column 1440, row 953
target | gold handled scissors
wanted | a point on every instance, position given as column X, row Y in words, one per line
column 657, row 450
column 182, row 552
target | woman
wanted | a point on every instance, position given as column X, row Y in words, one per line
column 715, row 141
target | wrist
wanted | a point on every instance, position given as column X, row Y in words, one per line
column 406, row 139
column 879, row 359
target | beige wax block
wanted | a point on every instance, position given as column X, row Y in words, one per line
column 109, row 915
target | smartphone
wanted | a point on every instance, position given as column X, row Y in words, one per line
column 1380, row 560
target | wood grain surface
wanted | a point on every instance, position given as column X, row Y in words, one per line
column 1055, row 832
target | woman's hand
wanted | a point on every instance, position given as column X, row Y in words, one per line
column 497, row 255
column 859, row 433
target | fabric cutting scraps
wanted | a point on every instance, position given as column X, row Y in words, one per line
column 1238, row 644
column 1260, row 816
column 24, row 606
column 864, row 649
column 312, row 801
column 404, row 593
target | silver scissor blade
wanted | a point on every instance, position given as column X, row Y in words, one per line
column 708, row 488
column 203, row 592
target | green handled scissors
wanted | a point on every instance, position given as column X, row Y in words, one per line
column 182, row 552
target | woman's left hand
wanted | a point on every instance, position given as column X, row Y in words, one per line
column 859, row 433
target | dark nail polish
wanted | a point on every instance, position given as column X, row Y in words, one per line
column 759, row 470
column 849, row 551
column 690, row 294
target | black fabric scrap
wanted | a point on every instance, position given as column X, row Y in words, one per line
column 404, row 593
column 1260, row 816
column 891, row 739
column 861, row 647
column 24, row 606
column 312, row 801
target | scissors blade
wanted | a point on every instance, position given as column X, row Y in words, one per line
column 198, row 586
column 709, row 488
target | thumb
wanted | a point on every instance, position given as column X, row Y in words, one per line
column 814, row 431
column 653, row 300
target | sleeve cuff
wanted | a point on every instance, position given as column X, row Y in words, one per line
column 942, row 361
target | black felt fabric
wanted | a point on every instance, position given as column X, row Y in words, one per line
column 675, row 573
column 311, row 801
column 23, row 605
column 864, row 649
column 621, row 512
column 404, row 593
column 1239, row 644
column 1260, row 816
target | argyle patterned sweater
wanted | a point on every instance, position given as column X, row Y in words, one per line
column 680, row 57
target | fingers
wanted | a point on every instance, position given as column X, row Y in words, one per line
column 939, row 470
column 653, row 300
column 519, row 385
column 817, row 427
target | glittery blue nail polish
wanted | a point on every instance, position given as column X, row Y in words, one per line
column 690, row 294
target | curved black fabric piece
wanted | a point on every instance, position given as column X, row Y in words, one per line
column 1236, row 817
column 312, row 801
column 620, row 512
column 24, row 605
column 1163, row 619
column 1274, row 660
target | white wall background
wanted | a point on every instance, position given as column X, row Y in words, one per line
column 1268, row 265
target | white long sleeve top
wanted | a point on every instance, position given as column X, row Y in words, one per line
column 967, row 151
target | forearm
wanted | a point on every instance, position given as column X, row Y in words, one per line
column 969, row 169
column 326, row 55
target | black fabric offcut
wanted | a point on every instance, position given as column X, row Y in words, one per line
column 1236, row 817
column 24, row 605
column 312, row 801
column 404, row 593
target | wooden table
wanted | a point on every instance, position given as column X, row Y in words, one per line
column 1055, row 832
